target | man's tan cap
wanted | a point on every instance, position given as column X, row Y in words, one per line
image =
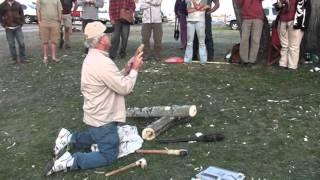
column 94, row 29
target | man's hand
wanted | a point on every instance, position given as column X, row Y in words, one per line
column 137, row 62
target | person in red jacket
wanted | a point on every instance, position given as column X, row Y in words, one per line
column 252, row 23
column 121, row 28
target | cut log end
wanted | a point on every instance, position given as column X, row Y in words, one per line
column 193, row 111
column 148, row 134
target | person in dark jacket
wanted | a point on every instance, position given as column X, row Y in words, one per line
column 12, row 19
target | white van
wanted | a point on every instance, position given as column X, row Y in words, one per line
column 29, row 10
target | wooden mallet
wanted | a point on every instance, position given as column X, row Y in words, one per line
column 140, row 163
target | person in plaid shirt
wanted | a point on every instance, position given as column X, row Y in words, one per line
column 121, row 28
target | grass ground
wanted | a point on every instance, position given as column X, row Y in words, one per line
column 270, row 117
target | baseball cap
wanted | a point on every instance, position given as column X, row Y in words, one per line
column 94, row 29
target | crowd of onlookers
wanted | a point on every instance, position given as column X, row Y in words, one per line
column 104, row 86
column 194, row 17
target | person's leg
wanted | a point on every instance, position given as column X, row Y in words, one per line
column 295, row 36
column 125, row 31
column 200, row 30
column 244, row 42
column 183, row 31
column 81, row 140
column 22, row 48
column 189, row 50
column 195, row 47
column 107, row 140
column 157, row 38
column 208, row 38
column 146, row 34
column 284, row 41
column 255, row 40
column 44, row 33
column 54, row 34
column 10, row 34
column 115, row 40
column 67, row 21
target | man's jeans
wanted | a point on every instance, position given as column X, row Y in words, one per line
column 17, row 34
column 197, row 27
column 120, row 30
column 107, row 139
column 208, row 40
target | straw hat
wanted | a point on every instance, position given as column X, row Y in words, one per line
column 94, row 29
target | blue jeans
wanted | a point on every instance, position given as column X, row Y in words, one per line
column 199, row 28
column 108, row 143
column 17, row 34
column 208, row 39
column 120, row 33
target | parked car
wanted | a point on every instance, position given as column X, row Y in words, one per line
column 30, row 13
column 270, row 13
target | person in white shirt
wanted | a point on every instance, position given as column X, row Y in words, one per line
column 196, row 23
column 151, row 23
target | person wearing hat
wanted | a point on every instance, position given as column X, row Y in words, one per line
column 103, row 87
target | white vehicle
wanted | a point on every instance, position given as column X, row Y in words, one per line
column 29, row 10
column 270, row 13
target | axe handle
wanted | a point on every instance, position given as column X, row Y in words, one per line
column 168, row 152
column 121, row 169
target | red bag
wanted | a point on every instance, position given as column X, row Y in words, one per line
column 126, row 16
column 235, row 54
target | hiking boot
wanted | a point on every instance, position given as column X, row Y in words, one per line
column 60, row 164
column 62, row 142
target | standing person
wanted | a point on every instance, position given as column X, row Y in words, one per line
column 294, row 20
column 151, row 24
column 252, row 24
column 67, row 19
column 121, row 28
column 103, row 87
column 12, row 19
column 49, row 19
column 196, row 24
column 180, row 10
column 90, row 9
column 208, row 30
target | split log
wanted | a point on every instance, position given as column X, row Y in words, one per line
column 160, row 111
column 157, row 127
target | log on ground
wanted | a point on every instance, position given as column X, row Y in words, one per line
column 157, row 127
column 160, row 111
